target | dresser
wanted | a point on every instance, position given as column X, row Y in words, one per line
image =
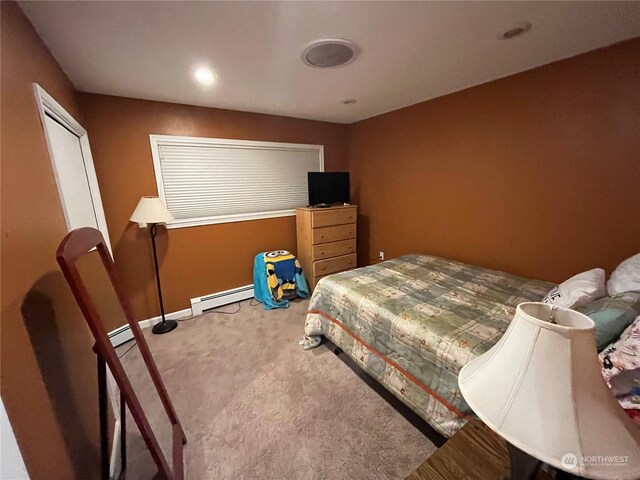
column 326, row 240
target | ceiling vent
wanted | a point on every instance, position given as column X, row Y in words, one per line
column 330, row 53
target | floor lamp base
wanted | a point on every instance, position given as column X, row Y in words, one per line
column 164, row 327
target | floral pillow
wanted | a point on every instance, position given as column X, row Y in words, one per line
column 623, row 354
column 619, row 359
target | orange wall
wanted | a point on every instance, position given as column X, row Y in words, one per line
column 197, row 260
column 537, row 174
column 48, row 379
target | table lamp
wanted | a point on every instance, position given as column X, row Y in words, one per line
column 541, row 388
column 152, row 211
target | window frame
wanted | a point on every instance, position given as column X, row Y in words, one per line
column 156, row 140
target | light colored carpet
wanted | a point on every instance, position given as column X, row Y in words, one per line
column 253, row 404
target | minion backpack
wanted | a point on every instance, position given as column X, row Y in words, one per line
column 278, row 278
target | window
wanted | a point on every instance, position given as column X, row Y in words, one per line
column 211, row 180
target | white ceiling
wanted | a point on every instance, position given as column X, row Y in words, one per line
column 410, row 51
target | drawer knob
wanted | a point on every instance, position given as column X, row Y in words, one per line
column 349, row 262
column 321, row 236
column 321, row 252
column 323, row 268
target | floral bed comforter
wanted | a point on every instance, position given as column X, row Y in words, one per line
column 414, row 321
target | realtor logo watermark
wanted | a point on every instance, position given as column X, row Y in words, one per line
column 570, row 461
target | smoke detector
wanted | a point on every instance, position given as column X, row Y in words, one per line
column 330, row 53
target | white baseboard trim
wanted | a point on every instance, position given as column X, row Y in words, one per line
column 123, row 334
column 114, row 399
column 115, row 448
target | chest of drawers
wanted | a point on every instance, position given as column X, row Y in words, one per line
column 326, row 240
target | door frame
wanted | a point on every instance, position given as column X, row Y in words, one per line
column 47, row 105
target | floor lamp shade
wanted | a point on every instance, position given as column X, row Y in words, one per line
column 540, row 387
column 151, row 210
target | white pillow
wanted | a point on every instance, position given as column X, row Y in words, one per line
column 578, row 290
column 626, row 277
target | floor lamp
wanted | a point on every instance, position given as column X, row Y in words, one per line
column 152, row 211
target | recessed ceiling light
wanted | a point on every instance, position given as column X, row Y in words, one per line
column 349, row 101
column 329, row 53
column 204, row 76
column 516, row 31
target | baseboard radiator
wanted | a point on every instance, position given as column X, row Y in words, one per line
column 120, row 335
column 202, row 305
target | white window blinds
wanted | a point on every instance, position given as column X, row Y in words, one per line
column 210, row 180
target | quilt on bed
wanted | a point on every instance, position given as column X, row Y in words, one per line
column 414, row 321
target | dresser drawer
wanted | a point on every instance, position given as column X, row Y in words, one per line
column 332, row 265
column 334, row 249
column 333, row 234
column 339, row 216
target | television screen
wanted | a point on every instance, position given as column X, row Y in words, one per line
column 328, row 187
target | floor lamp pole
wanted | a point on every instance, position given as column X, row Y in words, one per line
column 165, row 326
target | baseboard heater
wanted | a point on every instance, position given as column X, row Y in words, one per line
column 202, row 305
column 120, row 335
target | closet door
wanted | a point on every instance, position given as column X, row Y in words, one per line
column 71, row 176
column 68, row 144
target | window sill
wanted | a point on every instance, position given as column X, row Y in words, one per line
column 197, row 222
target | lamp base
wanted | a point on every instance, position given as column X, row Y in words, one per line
column 164, row 327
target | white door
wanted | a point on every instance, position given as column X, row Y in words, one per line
column 73, row 167
column 72, row 176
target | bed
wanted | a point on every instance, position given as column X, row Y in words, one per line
column 413, row 322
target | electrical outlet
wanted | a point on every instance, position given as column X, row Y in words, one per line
column 381, row 255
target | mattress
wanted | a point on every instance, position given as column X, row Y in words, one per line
column 414, row 321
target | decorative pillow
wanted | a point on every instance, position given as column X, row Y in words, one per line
column 578, row 290
column 623, row 354
column 625, row 277
column 612, row 315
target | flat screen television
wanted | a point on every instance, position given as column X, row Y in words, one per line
column 326, row 188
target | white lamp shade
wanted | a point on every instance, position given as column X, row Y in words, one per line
column 541, row 388
column 151, row 210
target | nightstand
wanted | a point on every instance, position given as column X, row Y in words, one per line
column 474, row 453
